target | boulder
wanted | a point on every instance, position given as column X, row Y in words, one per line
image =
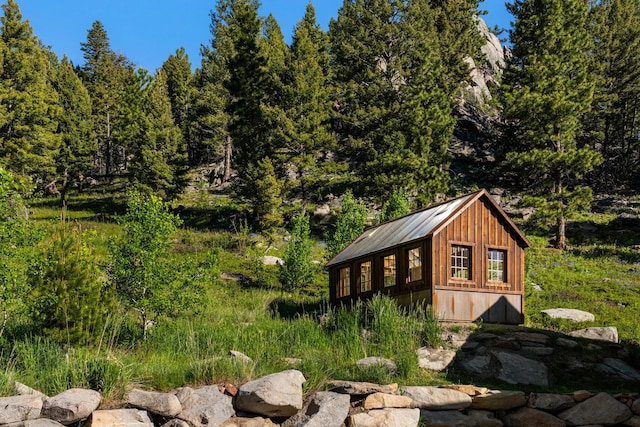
column 205, row 407
column 19, row 408
column 568, row 314
column 447, row 419
column 23, row 389
column 271, row 260
column 240, row 357
column 600, row 409
column 164, row 404
column 40, row 422
column 499, row 400
column 71, row 406
column 484, row 418
column 550, row 402
column 393, row 417
column 120, row 418
column 529, row 417
column 530, row 337
column 248, row 422
column 471, row 390
column 374, row 361
column 435, row 359
column 633, row 422
column 385, row 400
column 635, row 407
column 566, row 343
column 276, row 395
column 175, row 422
column 478, row 364
column 620, row 369
column 515, row 369
column 324, row 409
column 356, row 388
column 581, row 395
column 606, row 333
column 436, row 399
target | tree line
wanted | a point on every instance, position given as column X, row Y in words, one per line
column 369, row 105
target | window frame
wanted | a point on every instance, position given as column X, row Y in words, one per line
column 505, row 270
column 470, row 257
column 420, row 268
column 340, row 288
column 383, row 274
column 359, row 289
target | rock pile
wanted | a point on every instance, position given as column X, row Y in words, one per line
column 277, row 400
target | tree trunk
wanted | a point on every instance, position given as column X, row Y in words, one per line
column 227, row 159
column 561, row 240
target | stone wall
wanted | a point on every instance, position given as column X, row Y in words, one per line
column 277, row 400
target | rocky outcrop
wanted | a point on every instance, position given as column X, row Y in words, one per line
column 354, row 404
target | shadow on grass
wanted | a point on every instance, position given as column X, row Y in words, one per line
column 287, row 308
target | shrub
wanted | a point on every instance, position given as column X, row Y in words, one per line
column 297, row 269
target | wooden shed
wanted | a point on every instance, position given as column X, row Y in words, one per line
column 465, row 257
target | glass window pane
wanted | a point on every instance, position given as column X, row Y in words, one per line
column 365, row 276
column 344, row 282
column 460, row 262
column 496, row 263
column 389, row 270
column 414, row 262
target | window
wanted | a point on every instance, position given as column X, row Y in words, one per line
column 365, row 276
column 460, row 262
column 496, row 265
column 344, row 282
column 389, row 272
column 414, row 262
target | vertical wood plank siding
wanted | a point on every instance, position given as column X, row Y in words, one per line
column 490, row 232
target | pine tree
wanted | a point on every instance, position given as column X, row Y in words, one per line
column 392, row 113
column 181, row 92
column 613, row 125
column 106, row 75
column 545, row 91
column 305, row 136
column 28, row 103
column 74, row 161
column 266, row 198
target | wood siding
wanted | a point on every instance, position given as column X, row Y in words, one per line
column 480, row 228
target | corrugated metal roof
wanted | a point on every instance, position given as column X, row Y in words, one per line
column 402, row 230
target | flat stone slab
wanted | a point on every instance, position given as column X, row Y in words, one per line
column 358, row 388
column 499, row 400
column 569, row 314
column 435, row 359
column 606, row 333
column 386, row 418
column 120, row 418
column 620, row 369
column 601, row 409
column 19, row 408
column 515, row 369
column 436, row 399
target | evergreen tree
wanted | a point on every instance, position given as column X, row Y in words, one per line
column 350, row 223
column 74, row 161
column 247, row 68
column 159, row 161
column 297, row 270
column 306, row 138
column 613, row 125
column 106, row 75
column 545, row 91
column 393, row 115
column 266, row 198
column 70, row 300
column 28, row 103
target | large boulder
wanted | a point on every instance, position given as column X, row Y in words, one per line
column 71, row 406
column 515, row 369
column 164, row 404
column 571, row 314
column 120, row 418
column 386, row 418
column 600, row 409
column 205, row 407
column 19, row 408
column 276, row 395
column 436, row 399
column 550, row 402
column 324, row 409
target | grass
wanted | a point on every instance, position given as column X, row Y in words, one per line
column 248, row 311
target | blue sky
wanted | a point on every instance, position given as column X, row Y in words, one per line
column 148, row 31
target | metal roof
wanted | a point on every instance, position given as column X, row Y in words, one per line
column 402, row 230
